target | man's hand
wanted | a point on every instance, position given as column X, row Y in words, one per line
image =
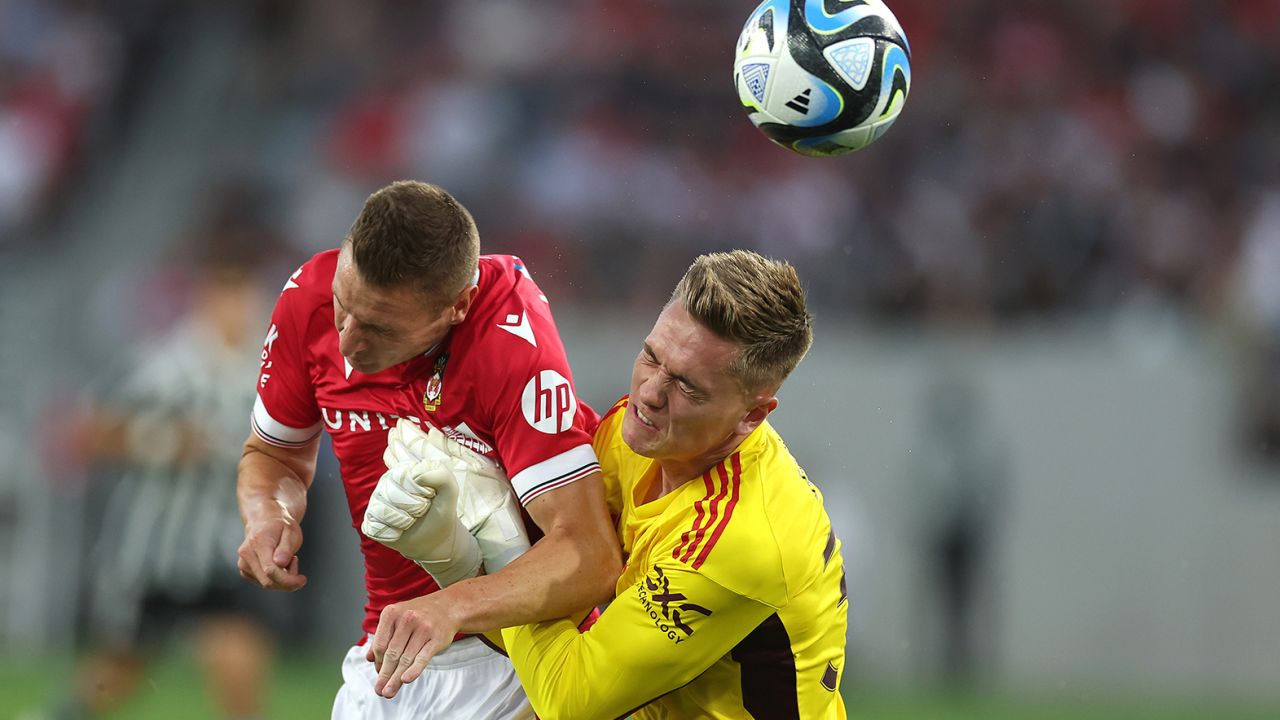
column 413, row 510
column 271, row 490
column 268, row 555
column 409, row 634
column 486, row 505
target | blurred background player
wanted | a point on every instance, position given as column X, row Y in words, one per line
column 407, row 320
column 164, row 439
column 957, row 481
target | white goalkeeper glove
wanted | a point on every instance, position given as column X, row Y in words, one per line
column 487, row 506
column 413, row 511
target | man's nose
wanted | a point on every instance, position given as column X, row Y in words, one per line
column 349, row 339
column 650, row 390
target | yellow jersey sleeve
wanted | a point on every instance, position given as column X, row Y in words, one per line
column 658, row 635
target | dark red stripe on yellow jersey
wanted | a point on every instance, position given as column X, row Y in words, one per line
column 722, row 490
column 732, row 482
column 621, row 404
column 700, row 514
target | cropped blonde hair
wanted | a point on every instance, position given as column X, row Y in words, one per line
column 756, row 303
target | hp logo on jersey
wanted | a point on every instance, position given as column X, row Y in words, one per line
column 548, row 403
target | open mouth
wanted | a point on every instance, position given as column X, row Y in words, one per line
column 644, row 420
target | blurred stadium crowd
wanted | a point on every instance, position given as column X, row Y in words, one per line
column 69, row 75
column 1055, row 160
column 1055, row 157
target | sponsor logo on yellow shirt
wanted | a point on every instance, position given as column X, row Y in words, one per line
column 670, row 611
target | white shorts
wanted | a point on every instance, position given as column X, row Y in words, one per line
column 468, row 680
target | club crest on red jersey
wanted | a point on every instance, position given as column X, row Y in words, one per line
column 431, row 397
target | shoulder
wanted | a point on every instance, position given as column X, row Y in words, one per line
column 505, row 282
column 312, row 283
column 608, row 433
column 616, row 459
column 759, row 505
column 510, row 329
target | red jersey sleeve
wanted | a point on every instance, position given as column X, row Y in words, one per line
column 542, row 431
column 285, row 413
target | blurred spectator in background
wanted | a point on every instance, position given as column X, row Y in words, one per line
column 58, row 63
column 1137, row 140
column 1133, row 141
column 1257, row 314
column 165, row 439
column 958, row 477
column 71, row 74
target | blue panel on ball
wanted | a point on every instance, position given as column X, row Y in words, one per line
column 895, row 58
column 816, row 15
column 853, row 59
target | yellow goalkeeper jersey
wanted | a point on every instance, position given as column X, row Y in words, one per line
column 732, row 603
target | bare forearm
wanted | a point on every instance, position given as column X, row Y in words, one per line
column 266, row 487
column 272, row 492
column 558, row 577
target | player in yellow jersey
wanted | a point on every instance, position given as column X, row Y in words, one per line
column 732, row 603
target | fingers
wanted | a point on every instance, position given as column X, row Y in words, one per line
column 409, row 634
column 288, row 545
column 294, row 580
column 415, row 653
column 255, row 559
column 419, row 664
column 251, row 572
column 271, row 562
column 401, row 648
column 410, row 434
column 411, row 498
column 405, row 443
column 440, row 445
column 394, row 506
column 389, row 455
column 389, row 512
column 286, row 579
column 432, row 480
column 398, row 453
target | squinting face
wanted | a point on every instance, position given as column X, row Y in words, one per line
column 379, row 327
column 686, row 410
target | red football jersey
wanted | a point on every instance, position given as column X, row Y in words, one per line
column 499, row 383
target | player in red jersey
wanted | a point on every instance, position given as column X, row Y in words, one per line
column 407, row 320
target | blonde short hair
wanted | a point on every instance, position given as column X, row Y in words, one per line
column 755, row 302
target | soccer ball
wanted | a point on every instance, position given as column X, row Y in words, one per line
column 822, row 77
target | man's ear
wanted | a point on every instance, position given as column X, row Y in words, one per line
column 757, row 414
column 462, row 305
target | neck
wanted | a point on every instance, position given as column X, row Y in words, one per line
column 678, row 472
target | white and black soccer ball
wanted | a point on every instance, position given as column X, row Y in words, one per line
column 822, row 77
